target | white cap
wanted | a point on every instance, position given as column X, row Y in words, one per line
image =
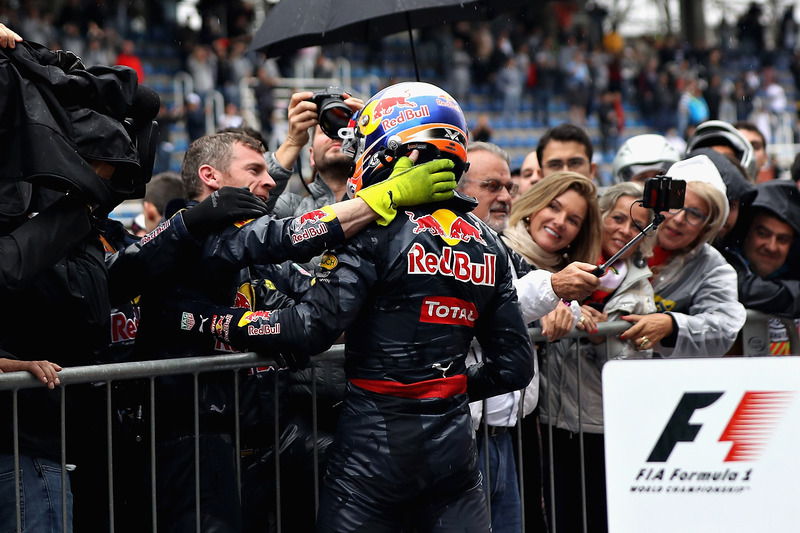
column 700, row 168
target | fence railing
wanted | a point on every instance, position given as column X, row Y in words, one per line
column 755, row 341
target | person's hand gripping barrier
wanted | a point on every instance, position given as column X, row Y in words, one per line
column 409, row 185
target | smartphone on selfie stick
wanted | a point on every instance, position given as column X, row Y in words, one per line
column 661, row 193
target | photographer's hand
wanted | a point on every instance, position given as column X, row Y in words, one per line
column 302, row 116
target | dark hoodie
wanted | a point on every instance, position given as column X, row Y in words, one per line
column 779, row 294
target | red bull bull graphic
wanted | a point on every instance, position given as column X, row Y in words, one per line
column 314, row 217
column 426, row 223
column 311, row 224
column 386, row 106
column 253, row 316
column 464, row 231
column 453, row 263
column 447, row 225
column 447, row 310
column 245, row 296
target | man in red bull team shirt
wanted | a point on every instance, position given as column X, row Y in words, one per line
column 215, row 271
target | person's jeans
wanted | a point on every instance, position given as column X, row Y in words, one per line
column 40, row 495
column 503, row 490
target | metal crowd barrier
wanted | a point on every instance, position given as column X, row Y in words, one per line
column 755, row 340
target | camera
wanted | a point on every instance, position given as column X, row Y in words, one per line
column 663, row 193
column 332, row 112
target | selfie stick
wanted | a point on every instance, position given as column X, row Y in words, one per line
column 658, row 218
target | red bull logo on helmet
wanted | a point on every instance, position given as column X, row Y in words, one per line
column 447, row 225
column 405, row 116
column 386, row 106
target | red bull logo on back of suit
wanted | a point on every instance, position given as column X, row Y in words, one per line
column 447, row 225
column 453, row 263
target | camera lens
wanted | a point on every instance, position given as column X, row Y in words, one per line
column 334, row 114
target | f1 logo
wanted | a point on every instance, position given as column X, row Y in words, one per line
column 678, row 428
column 749, row 428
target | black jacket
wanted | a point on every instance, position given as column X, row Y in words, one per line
column 56, row 115
column 780, row 293
column 55, row 307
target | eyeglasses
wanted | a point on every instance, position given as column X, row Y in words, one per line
column 573, row 163
column 693, row 216
column 494, row 186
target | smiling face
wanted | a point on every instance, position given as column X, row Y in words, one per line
column 619, row 228
column 555, row 226
column 767, row 244
column 247, row 169
column 676, row 233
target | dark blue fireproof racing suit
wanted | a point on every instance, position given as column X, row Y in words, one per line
column 410, row 297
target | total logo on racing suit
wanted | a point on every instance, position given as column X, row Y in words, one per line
column 448, row 310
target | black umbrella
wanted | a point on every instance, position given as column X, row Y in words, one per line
column 295, row 24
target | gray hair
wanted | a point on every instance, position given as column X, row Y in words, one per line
column 477, row 146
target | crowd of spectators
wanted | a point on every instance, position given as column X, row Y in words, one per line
column 522, row 64
column 704, row 266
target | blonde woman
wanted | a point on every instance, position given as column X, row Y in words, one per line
column 552, row 225
column 571, row 399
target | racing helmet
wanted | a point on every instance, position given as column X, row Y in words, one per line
column 404, row 117
column 641, row 153
column 717, row 132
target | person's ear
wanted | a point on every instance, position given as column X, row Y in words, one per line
column 210, row 177
column 150, row 211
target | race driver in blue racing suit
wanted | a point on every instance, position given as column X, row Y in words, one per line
column 410, row 296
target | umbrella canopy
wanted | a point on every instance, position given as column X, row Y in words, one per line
column 295, row 24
